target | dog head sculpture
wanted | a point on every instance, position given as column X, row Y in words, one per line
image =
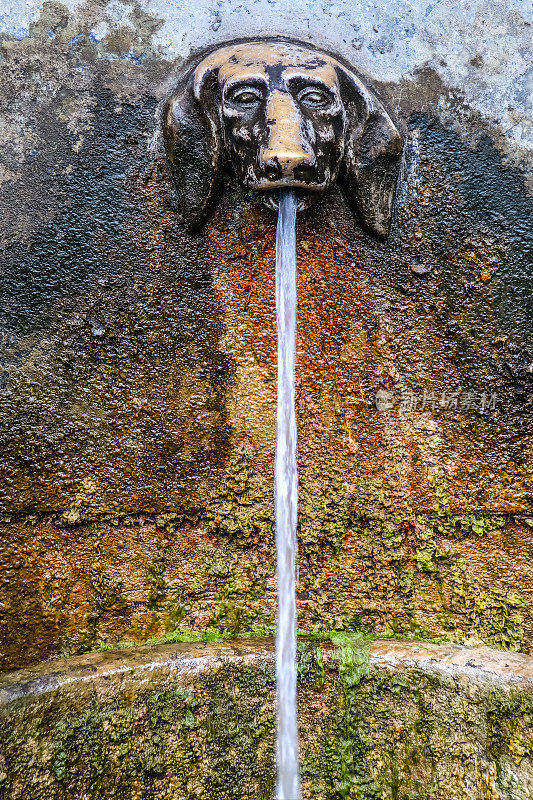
column 281, row 114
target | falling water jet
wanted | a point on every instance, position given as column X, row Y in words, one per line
column 286, row 502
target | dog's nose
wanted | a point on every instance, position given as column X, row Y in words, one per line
column 286, row 147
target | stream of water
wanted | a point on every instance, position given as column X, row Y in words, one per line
column 286, row 502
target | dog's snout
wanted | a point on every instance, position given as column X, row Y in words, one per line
column 286, row 147
column 282, row 161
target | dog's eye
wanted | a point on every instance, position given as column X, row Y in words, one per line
column 314, row 97
column 246, row 97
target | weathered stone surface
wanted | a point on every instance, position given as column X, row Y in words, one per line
column 487, row 73
column 385, row 720
column 138, row 361
column 71, row 588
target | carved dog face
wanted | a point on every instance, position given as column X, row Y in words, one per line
column 283, row 115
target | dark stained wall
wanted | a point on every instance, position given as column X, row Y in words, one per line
column 137, row 374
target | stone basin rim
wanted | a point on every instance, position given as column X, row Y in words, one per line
column 188, row 658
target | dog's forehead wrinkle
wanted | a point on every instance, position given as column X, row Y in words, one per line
column 262, row 57
column 275, row 73
column 248, row 78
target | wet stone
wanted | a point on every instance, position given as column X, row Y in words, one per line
column 380, row 719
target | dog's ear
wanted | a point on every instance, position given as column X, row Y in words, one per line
column 372, row 155
column 193, row 144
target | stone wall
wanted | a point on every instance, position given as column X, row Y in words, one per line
column 138, row 361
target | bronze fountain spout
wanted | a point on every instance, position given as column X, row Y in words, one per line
column 281, row 114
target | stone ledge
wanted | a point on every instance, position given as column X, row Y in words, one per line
column 380, row 720
column 186, row 659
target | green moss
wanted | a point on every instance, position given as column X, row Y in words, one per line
column 174, row 613
column 79, row 738
column 510, row 725
column 311, row 669
column 411, row 585
column 172, row 637
column 188, row 635
column 462, row 526
column 238, row 508
column 353, row 655
column 155, row 579
column 442, row 498
column 107, row 596
column 352, row 739
column 325, row 511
